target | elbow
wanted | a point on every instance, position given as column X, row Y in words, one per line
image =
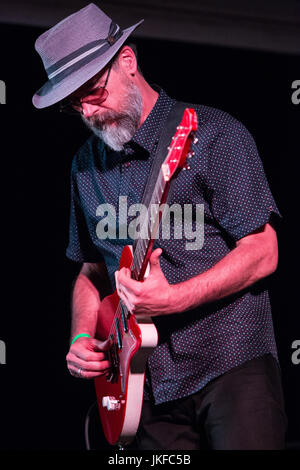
column 274, row 262
column 271, row 259
column 270, row 244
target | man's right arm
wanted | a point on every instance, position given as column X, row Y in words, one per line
column 88, row 354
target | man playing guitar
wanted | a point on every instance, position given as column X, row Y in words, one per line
column 213, row 379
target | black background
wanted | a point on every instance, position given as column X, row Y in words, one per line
column 42, row 406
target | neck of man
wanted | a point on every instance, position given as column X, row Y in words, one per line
column 149, row 97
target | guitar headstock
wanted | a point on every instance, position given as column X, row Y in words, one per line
column 180, row 144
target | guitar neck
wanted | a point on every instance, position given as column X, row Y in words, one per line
column 143, row 246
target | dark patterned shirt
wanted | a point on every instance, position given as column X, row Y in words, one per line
column 226, row 176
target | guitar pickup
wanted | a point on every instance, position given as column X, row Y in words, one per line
column 118, row 331
column 113, row 358
column 124, row 318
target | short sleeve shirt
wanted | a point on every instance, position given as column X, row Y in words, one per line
column 227, row 183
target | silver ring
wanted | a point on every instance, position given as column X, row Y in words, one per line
column 79, row 372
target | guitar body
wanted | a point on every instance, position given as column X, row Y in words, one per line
column 120, row 399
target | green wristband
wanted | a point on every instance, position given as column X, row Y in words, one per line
column 79, row 336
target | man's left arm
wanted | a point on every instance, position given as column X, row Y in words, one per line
column 254, row 257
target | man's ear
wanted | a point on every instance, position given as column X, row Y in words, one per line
column 127, row 60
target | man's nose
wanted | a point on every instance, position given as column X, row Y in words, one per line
column 89, row 109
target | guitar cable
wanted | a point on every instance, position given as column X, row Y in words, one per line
column 86, row 426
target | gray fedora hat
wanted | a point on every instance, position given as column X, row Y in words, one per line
column 74, row 50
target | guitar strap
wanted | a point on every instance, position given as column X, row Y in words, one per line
column 169, row 129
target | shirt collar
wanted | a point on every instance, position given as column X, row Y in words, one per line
column 148, row 134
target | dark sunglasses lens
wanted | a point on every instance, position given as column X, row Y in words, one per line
column 97, row 97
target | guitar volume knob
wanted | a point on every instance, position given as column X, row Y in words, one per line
column 104, row 401
column 111, row 403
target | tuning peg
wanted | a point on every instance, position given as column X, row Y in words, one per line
column 190, row 154
column 186, row 167
column 196, row 140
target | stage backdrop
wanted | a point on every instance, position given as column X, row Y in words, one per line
column 42, row 406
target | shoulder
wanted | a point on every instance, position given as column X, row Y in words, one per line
column 213, row 122
column 218, row 120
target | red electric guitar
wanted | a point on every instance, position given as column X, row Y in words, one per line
column 120, row 394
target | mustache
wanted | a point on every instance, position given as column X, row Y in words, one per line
column 105, row 119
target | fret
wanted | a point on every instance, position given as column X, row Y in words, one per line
column 138, row 258
column 135, row 254
column 148, row 225
column 144, row 232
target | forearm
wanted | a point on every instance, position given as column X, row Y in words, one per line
column 240, row 268
column 254, row 257
column 85, row 306
column 87, row 356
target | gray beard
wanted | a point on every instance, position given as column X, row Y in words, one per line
column 117, row 128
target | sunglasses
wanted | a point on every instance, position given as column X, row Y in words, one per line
column 95, row 97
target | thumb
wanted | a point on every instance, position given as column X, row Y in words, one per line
column 103, row 345
column 154, row 259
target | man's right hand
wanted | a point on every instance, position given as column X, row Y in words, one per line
column 87, row 358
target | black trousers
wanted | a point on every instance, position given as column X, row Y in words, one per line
column 239, row 410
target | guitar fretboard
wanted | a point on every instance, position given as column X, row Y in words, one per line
column 149, row 226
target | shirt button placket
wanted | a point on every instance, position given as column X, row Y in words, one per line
column 125, row 178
